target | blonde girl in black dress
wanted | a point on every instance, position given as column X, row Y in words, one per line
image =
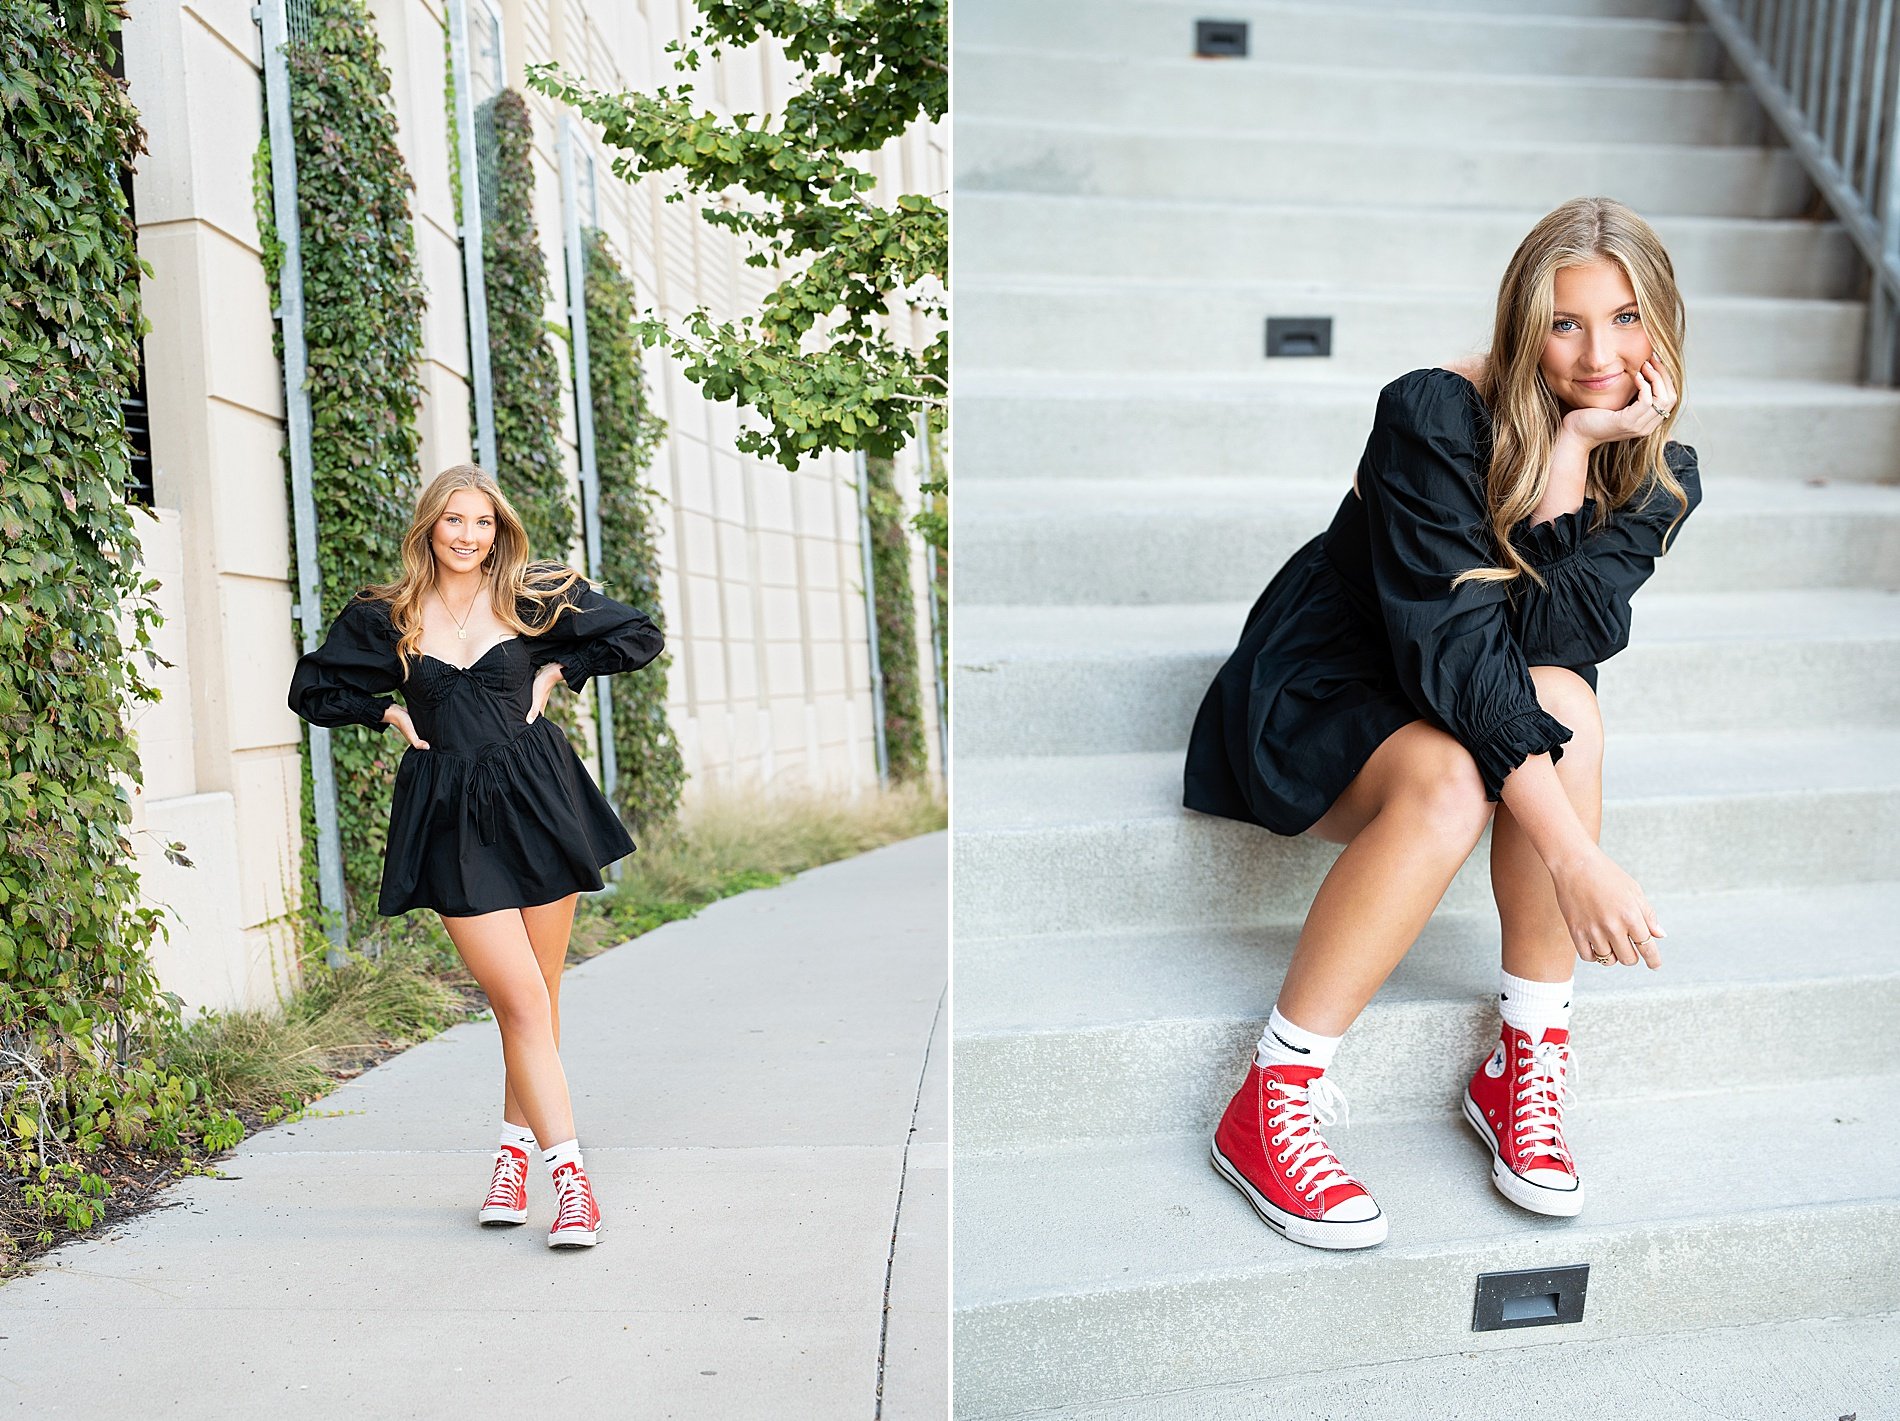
column 495, row 823
column 1427, row 667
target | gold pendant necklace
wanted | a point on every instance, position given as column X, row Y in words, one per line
column 461, row 627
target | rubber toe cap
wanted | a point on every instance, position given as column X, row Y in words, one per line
column 1355, row 1210
column 1552, row 1179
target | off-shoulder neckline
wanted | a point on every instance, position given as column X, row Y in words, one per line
column 493, row 647
column 389, row 625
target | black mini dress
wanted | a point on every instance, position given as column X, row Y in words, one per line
column 497, row 812
column 1360, row 633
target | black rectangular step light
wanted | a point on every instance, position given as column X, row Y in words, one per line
column 1299, row 335
column 1530, row 1297
column 1220, row 39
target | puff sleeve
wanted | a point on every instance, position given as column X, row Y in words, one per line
column 599, row 637
column 1583, row 615
column 346, row 680
column 1456, row 655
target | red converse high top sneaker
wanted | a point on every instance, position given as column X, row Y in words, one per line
column 1516, row 1104
column 577, row 1217
column 507, row 1201
column 1268, row 1146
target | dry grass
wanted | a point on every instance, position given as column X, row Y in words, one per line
column 728, row 843
column 727, row 834
column 257, row 1062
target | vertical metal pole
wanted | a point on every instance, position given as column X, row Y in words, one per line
column 1876, row 103
column 474, row 285
column 870, row 621
column 930, row 600
column 584, row 423
column 1831, row 85
column 1855, row 73
column 1879, row 362
column 272, row 20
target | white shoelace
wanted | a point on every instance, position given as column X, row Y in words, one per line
column 573, row 1194
column 1310, row 1161
column 1547, row 1089
column 509, row 1173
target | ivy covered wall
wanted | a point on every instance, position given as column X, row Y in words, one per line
column 82, row 1015
column 363, row 307
column 525, row 369
column 896, row 627
column 626, row 433
column 72, row 944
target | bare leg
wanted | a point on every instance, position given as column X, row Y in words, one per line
column 497, row 950
column 1409, row 819
column 549, row 926
column 1537, row 944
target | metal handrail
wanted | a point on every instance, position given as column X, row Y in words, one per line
column 1827, row 73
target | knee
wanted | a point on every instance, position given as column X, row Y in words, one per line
column 526, row 1004
column 1444, row 788
column 1567, row 696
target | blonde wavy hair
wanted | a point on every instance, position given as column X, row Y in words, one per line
column 514, row 577
column 1525, row 416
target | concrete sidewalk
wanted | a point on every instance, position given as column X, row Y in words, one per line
column 753, row 1090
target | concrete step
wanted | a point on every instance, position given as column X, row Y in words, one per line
column 1102, row 1271
column 1022, row 235
column 1830, row 1367
column 1834, row 1366
column 1173, row 91
column 1138, row 542
column 1105, row 680
column 1124, row 326
column 1484, row 40
column 1101, row 1035
column 1157, row 426
column 1538, row 170
column 1084, row 842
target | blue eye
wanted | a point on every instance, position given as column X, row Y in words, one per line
column 1563, row 321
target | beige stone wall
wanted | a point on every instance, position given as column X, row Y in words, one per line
column 763, row 569
column 762, row 585
column 218, row 752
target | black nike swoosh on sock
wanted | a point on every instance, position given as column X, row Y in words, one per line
column 1303, row 1050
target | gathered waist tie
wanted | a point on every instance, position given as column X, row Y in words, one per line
column 487, row 783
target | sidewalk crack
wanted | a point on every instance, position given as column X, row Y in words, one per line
column 897, row 1214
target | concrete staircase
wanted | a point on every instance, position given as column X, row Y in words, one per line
column 1132, row 470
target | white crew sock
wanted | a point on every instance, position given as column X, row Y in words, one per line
column 520, row 1136
column 567, row 1152
column 1284, row 1044
column 1533, row 1007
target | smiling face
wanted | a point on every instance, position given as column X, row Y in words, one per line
column 1596, row 342
column 467, row 523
